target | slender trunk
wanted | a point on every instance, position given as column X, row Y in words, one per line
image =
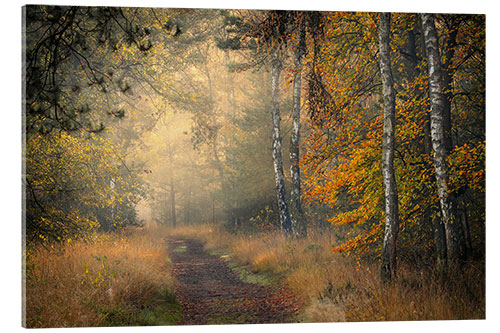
column 187, row 208
column 213, row 211
column 172, row 201
column 427, row 135
column 230, row 84
column 427, row 148
column 227, row 202
column 167, row 209
column 296, row 212
column 411, row 63
column 431, row 215
column 388, row 264
column 439, row 240
column 172, row 187
column 449, row 52
column 430, row 211
column 112, row 208
column 468, row 238
column 447, row 112
column 286, row 224
column 455, row 240
column 231, row 108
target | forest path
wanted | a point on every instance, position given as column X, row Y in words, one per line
column 211, row 293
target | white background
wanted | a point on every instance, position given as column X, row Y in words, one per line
column 10, row 143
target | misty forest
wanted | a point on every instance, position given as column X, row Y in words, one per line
column 206, row 166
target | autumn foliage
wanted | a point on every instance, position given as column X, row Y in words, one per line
column 264, row 135
column 341, row 163
column 75, row 186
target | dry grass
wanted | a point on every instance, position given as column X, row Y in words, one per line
column 96, row 283
column 333, row 288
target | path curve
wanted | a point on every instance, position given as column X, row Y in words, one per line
column 211, row 293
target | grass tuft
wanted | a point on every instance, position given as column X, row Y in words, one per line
column 115, row 280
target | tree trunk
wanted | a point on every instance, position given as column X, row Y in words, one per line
column 233, row 204
column 449, row 52
column 388, row 264
column 429, row 216
column 172, row 201
column 296, row 212
column 213, row 211
column 439, row 240
column 286, row 224
column 468, row 237
column 455, row 240
column 227, row 202
column 187, row 208
column 112, row 208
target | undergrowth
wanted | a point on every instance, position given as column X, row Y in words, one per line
column 113, row 280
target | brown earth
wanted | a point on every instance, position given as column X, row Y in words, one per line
column 211, row 293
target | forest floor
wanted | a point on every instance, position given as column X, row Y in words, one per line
column 225, row 278
column 214, row 290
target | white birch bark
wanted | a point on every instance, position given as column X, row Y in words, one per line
column 455, row 240
column 284, row 212
column 388, row 263
column 296, row 212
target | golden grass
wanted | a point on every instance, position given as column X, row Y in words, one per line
column 85, row 283
column 333, row 288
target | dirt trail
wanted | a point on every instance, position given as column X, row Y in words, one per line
column 211, row 293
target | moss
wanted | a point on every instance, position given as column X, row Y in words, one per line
column 165, row 310
column 224, row 319
column 244, row 272
column 169, row 314
column 180, row 249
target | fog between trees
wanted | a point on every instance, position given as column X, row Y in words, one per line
column 185, row 116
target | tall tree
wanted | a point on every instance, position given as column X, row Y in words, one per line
column 172, row 191
column 297, row 213
column 284, row 212
column 270, row 30
column 388, row 264
column 455, row 239
column 414, row 70
column 449, row 47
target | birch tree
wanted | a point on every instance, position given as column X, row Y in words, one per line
column 284, row 212
column 388, row 264
column 297, row 214
column 455, row 240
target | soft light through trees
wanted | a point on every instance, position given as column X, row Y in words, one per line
column 363, row 125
